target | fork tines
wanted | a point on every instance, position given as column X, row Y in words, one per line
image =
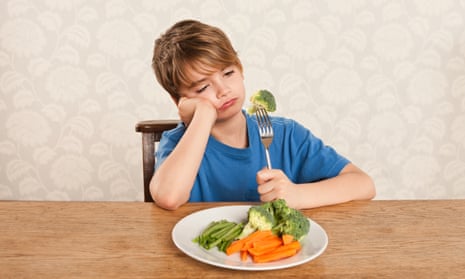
column 266, row 131
column 264, row 123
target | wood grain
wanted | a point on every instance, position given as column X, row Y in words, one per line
column 371, row 239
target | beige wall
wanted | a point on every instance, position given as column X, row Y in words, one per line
column 382, row 81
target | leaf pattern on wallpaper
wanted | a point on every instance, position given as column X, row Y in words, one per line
column 304, row 47
column 11, row 81
column 458, row 87
column 119, row 188
column 67, row 84
column 70, row 144
column 7, row 147
column 87, row 14
column 107, row 82
column 392, row 42
column 54, row 112
column 5, row 192
column 18, row 7
column 119, row 38
column 67, row 54
column 23, row 98
column 356, row 39
column 29, row 186
column 341, row 80
column 81, row 125
column 427, row 87
column 38, row 66
column 93, row 193
column 454, row 169
column 457, row 129
column 109, row 169
column 44, row 155
column 22, row 37
column 78, row 35
column 381, row 81
column 15, row 169
column 51, row 21
column 116, row 129
column 71, row 172
column 28, row 128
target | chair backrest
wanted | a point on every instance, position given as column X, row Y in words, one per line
column 151, row 133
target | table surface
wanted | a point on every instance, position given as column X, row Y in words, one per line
column 394, row 239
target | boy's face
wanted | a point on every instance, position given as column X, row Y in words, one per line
column 223, row 88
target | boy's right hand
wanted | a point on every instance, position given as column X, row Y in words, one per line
column 274, row 184
column 187, row 107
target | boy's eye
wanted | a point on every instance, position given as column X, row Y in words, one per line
column 229, row 73
column 201, row 89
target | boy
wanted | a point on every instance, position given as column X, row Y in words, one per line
column 215, row 154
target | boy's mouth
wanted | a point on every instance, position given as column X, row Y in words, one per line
column 228, row 104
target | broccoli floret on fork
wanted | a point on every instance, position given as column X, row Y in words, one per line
column 262, row 98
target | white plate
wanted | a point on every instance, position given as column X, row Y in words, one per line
column 192, row 225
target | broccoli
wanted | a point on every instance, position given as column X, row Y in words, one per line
column 289, row 220
column 260, row 217
column 278, row 217
column 262, row 98
column 280, row 208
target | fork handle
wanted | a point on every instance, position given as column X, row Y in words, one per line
column 268, row 161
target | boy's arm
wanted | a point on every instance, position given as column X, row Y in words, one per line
column 351, row 184
column 172, row 182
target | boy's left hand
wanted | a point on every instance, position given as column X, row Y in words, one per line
column 187, row 107
column 274, row 184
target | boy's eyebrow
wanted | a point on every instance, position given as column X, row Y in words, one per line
column 196, row 82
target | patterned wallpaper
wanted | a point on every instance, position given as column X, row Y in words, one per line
column 381, row 81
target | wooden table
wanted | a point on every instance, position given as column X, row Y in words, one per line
column 372, row 239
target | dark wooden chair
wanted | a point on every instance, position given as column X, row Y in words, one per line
column 151, row 133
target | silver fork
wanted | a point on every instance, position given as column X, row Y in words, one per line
column 266, row 131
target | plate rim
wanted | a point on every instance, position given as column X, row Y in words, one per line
column 250, row 267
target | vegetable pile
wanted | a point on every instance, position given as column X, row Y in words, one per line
column 273, row 231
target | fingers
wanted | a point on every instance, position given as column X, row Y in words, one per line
column 266, row 174
column 265, row 188
column 266, row 192
column 272, row 184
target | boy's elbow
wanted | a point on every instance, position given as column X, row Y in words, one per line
column 370, row 188
column 365, row 184
column 166, row 201
column 167, row 204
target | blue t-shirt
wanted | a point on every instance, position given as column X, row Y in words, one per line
column 229, row 174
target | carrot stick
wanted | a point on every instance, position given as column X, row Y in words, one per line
column 287, row 238
column 255, row 236
column 266, row 245
column 293, row 245
column 275, row 255
column 234, row 247
column 260, row 234
column 244, row 256
column 278, row 253
column 247, row 246
column 261, row 251
column 246, row 242
column 271, row 240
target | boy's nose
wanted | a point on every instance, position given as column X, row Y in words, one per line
column 222, row 90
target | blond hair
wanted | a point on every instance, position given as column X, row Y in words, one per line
column 193, row 44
